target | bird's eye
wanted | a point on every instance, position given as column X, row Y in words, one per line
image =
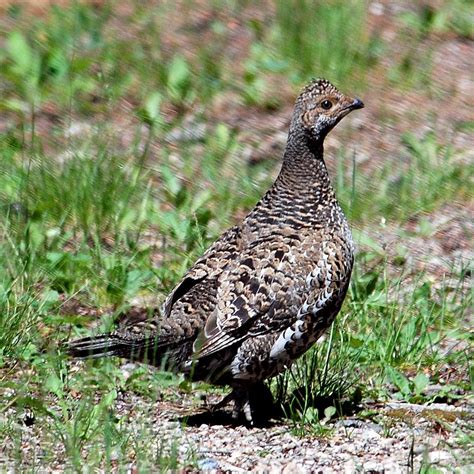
column 326, row 104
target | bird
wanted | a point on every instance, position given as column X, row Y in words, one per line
column 268, row 288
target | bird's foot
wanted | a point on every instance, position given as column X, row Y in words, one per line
column 241, row 400
column 252, row 402
column 224, row 402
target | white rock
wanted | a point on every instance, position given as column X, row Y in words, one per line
column 373, row 466
column 349, row 467
column 440, row 456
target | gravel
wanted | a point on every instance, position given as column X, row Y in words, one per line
column 395, row 438
column 390, row 445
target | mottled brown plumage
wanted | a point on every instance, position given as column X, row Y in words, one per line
column 267, row 289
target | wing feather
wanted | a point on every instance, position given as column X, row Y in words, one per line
column 252, row 292
column 207, row 268
column 269, row 287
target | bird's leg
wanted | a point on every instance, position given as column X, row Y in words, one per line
column 242, row 404
column 240, row 398
column 225, row 401
column 255, row 402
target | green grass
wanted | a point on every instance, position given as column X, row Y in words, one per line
column 310, row 39
column 326, row 37
column 428, row 171
column 449, row 17
column 116, row 211
column 77, row 412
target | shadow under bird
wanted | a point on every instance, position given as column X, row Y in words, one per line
column 268, row 288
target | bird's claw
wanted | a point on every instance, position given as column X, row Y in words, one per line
column 241, row 401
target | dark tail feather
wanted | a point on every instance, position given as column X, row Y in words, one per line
column 99, row 346
column 106, row 345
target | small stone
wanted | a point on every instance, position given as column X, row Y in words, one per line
column 370, row 434
column 373, row 467
column 349, row 423
column 349, row 466
column 440, row 456
column 419, row 449
column 208, row 464
column 293, row 467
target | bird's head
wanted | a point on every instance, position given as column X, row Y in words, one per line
column 320, row 106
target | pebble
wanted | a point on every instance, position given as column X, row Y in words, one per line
column 373, row 467
column 208, row 464
column 440, row 457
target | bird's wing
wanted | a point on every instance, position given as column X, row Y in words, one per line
column 274, row 283
column 261, row 291
column 208, row 267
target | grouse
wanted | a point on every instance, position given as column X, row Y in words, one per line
column 267, row 288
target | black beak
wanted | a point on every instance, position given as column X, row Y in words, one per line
column 357, row 104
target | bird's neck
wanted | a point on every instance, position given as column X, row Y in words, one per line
column 302, row 195
column 303, row 168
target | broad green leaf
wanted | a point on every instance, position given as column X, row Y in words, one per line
column 54, row 384
column 20, row 52
column 179, row 78
column 329, row 412
column 152, row 106
column 421, row 381
column 399, row 380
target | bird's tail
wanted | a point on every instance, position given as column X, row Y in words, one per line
column 112, row 344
